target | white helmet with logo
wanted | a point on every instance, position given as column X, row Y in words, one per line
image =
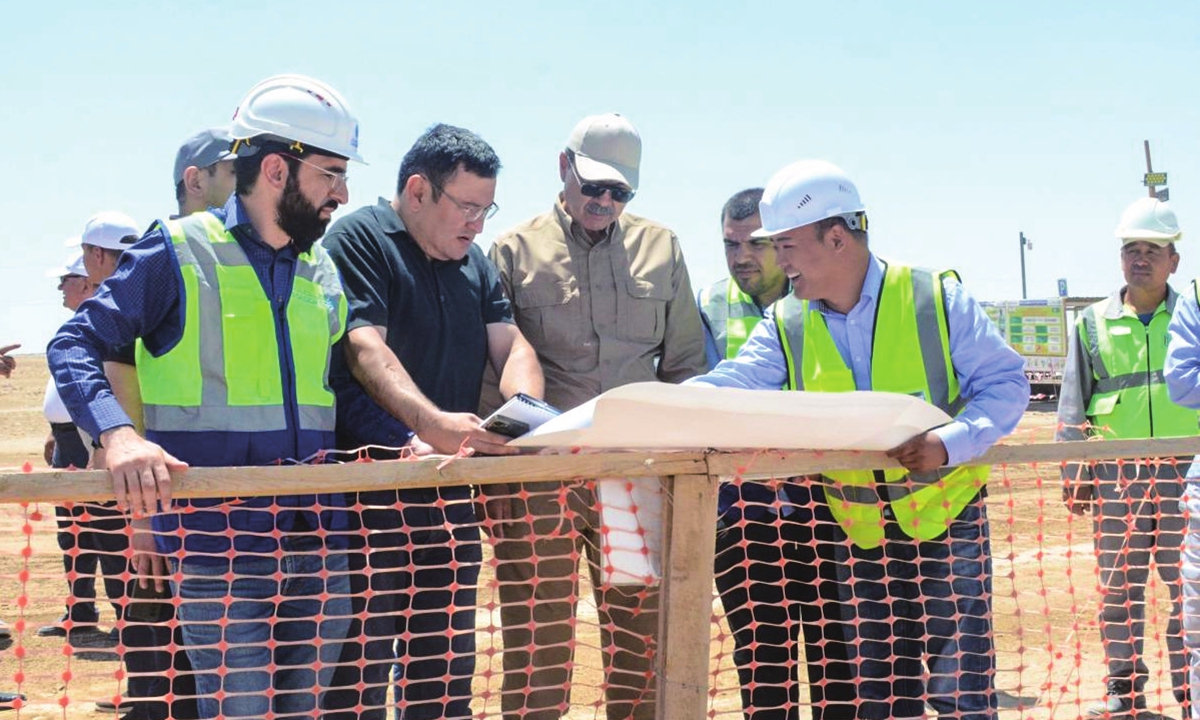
column 806, row 192
column 1149, row 219
column 297, row 109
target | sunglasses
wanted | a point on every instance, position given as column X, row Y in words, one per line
column 594, row 190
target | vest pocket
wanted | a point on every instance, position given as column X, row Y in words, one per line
column 1100, row 409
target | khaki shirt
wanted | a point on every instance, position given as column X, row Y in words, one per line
column 601, row 315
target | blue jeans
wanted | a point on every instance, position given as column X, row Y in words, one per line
column 278, row 656
column 933, row 598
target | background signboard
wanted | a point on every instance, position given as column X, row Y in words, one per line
column 1037, row 330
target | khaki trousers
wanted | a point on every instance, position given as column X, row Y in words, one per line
column 536, row 570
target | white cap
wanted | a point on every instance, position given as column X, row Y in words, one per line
column 109, row 229
column 1149, row 219
column 806, row 192
column 607, row 149
column 72, row 266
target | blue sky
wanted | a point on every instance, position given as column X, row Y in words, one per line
column 962, row 123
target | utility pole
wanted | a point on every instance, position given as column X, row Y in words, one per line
column 1153, row 180
column 1024, row 244
column 1149, row 169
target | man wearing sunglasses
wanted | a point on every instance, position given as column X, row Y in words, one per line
column 427, row 314
column 604, row 298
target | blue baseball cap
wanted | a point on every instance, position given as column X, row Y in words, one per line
column 204, row 149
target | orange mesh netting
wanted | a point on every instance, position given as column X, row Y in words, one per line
column 496, row 613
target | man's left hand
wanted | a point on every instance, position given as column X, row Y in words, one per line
column 921, row 453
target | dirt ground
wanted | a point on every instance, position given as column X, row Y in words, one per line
column 1050, row 661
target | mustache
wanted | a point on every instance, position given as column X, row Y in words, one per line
column 598, row 209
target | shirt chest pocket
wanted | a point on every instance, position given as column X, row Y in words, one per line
column 642, row 310
column 549, row 314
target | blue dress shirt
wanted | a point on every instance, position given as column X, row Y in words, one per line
column 991, row 375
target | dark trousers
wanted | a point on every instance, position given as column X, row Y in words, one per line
column 419, row 558
column 156, row 669
column 918, row 602
column 778, row 575
column 80, row 567
column 92, row 537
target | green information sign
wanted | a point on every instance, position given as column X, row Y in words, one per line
column 1034, row 328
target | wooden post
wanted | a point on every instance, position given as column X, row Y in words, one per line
column 685, row 616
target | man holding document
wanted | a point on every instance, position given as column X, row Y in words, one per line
column 900, row 564
column 427, row 314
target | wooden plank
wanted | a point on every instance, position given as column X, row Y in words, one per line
column 689, row 527
column 758, row 464
column 60, row 485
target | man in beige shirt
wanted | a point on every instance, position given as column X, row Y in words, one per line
column 604, row 298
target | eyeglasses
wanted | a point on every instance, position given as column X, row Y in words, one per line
column 471, row 212
column 590, row 189
column 335, row 178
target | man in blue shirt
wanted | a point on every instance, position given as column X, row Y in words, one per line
column 904, row 596
column 262, row 579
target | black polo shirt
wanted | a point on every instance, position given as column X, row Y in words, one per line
column 436, row 312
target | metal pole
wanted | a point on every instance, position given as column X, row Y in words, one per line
column 1150, row 188
column 1024, row 296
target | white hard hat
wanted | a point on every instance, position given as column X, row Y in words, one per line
column 1149, row 219
column 806, row 192
column 295, row 108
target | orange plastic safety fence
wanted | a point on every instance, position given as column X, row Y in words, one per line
column 529, row 601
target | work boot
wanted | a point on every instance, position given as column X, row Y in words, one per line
column 1120, row 702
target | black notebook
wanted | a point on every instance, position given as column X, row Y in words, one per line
column 519, row 415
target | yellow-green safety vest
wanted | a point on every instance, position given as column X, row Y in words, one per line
column 732, row 315
column 910, row 355
column 1129, row 398
column 224, row 373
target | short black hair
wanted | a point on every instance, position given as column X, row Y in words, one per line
column 246, row 168
column 441, row 150
column 742, row 205
column 829, row 223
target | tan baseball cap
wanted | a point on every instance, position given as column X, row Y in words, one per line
column 607, row 149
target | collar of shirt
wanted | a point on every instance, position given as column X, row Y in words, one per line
column 575, row 231
column 1117, row 308
column 392, row 224
column 389, row 219
column 872, row 283
column 238, row 224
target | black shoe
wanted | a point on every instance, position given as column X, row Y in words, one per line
column 7, row 699
column 59, row 627
column 1121, row 701
column 107, row 706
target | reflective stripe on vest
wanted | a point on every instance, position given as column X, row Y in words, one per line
column 1130, row 398
column 224, row 373
column 731, row 313
column 911, row 355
